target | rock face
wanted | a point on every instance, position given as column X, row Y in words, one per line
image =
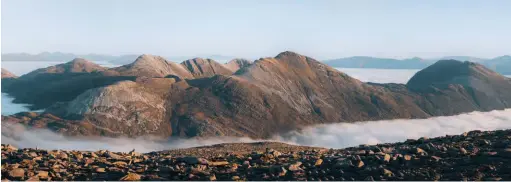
column 272, row 95
column 201, row 68
column 126, row 107
column 235, row 64
column 8, row 74
column 471, row 156
column 153, row 66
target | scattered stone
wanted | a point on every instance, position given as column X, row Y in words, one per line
column 131, row 177
column 218, row 163
column 360, row 164
column 295, row 166
column 318, row 162
column 451, row 158
column 17, row 173
column 42, row 174
column 386, row 158
column 100, row 170
column 387, row 173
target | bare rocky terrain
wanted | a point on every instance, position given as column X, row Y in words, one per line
column 203, row 98
column 472, row 156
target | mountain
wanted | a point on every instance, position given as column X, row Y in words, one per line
column 236, row 64
column 205, row 67
column 465, row 85
column 43, row 87
column 153, row 66
column 273, row 95
column 462, row 58
column 77, row 65
column 381, row 63
column 53, row 57
column 500, row 64
column 8, row 74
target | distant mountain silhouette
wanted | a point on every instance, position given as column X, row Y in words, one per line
column 119, row 60
column 500, row 64
column 54, row 57
column 381, row 63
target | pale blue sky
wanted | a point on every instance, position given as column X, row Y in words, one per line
column 259, row 28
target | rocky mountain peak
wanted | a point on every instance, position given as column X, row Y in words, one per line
column 81, row 65
column 288, row 54
column 77, row 65
column 201, row 68
column 148, row 59
column 235, row 64
column 453, row 71
column 8, row 74
column 153, row 66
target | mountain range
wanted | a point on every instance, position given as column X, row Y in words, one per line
column 119, row 60
column 204, row 98
column 500, row 64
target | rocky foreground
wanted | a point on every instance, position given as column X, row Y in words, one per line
column 474, row 155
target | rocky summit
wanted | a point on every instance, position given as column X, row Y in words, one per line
column 236, row 64
column 471, row 156
column 8, row 74
column 203, row 98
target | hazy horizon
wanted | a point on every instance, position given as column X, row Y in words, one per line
column 325, row 29
column 254, row 58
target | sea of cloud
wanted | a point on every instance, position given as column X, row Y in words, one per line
column 339, row 135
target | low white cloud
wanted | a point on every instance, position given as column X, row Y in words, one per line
column 343, row 135
column 339, row 135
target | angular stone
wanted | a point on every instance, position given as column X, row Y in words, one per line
column 435, row 158
column 17, row 173
column 218, row 163
column 318, row 162
column 387, row 173
column 42, row 174
column 359, row 164
column 407, row 157
column 295, row 166
column 131, row 177
column 100, row 170
column 62, row 155
column 33, row 178
column 386, row 158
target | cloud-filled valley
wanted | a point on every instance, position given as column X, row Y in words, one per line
column 330, row 135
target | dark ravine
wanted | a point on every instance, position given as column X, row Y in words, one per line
column 471, row 156
column 202, row 98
